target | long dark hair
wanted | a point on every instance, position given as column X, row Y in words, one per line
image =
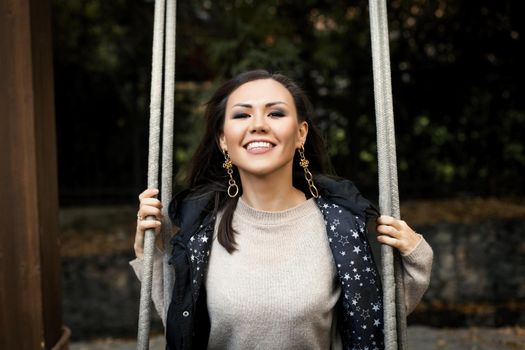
column 206, row 171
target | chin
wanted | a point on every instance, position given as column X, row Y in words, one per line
column 264, row 170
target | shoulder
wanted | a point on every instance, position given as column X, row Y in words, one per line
column 344, row 193
column 188, row 209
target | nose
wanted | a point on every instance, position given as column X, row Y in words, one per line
column 259, row 123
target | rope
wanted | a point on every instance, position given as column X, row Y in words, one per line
column 394, row 308
column 153, row 172
column 167, row 141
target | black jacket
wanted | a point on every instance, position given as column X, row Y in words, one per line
column 359, row 309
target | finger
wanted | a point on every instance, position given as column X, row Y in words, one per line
column 147, row 224
column 387, row 230
column 389, row 220
column 150, row 192
column 148, row 210
column 395, row 243
column 154, row 202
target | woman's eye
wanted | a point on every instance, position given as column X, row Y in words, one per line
column 277, row 114
column 240, row 115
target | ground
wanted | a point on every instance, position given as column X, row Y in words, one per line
column 420, row 338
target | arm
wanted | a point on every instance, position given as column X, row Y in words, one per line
column 416, row 256
column 417, row 267
column 157, row 286
column 151, row 206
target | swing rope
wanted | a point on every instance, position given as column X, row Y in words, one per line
column 393, row 289
column 163, row 38
column 167, row 139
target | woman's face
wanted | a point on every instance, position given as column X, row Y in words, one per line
column 261, row 128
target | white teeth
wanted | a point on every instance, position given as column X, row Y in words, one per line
column 258, row 144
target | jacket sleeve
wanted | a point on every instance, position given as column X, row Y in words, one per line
column 157, row 284
column 417, row 267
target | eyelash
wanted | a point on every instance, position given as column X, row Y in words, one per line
column 277, row 114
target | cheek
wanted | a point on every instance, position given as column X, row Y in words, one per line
column 231, row 134
column 288, row 135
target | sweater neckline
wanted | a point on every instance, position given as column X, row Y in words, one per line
column 270, row 218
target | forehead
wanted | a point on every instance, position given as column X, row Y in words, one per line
column 260, row 92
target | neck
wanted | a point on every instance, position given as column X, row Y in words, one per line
column 271, row 192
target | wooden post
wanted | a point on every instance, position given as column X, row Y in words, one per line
column 30, row 283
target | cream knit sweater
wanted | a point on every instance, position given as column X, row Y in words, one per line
column 278, row 290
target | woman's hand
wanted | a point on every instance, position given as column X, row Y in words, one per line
column 396, row 233
column 149, row 206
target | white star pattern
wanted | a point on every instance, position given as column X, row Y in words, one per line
column 344, row 240
column 358, row 297
column 365, row 314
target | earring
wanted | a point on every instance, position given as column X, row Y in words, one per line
column 232, row 185
column 307, row 174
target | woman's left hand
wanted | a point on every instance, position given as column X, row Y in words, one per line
column 396, row 233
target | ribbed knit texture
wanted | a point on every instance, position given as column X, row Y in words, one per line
column 278, row 290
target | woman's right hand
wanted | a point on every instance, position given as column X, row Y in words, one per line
column 149, row 206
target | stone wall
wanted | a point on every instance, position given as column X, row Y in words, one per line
column 478, row 275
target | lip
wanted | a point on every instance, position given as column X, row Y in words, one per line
column 259, row 140
column 255, row 151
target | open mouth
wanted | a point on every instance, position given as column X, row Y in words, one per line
column 259, row 145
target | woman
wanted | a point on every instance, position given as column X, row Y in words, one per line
column 269, row 256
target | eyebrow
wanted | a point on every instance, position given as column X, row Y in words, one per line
column 269, row 104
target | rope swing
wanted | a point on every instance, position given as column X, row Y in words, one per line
column 163, row 82
column 164, row 34
column 392, row 279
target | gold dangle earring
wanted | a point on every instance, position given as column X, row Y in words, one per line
column 307, row 174
column 232, row 185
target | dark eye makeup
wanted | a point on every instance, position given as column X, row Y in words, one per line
column 277, row 114
column 241, row 115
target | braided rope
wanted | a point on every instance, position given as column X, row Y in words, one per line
column 167, row 141
column 394, row 308
column 153, row 172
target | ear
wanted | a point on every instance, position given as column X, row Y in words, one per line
column 222, row 142
column 302, row 132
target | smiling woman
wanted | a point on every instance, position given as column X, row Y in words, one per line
column 261, row 134
column 267, row 255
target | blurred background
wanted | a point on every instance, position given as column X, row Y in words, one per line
column 458, row 84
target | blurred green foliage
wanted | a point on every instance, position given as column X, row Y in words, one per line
column 457, row 77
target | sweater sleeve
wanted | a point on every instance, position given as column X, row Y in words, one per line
column 157, row 286
column 417, row 267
